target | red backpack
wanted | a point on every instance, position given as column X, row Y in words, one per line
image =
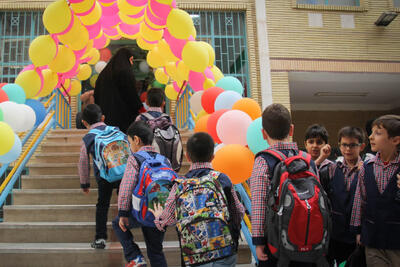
column 298, row 218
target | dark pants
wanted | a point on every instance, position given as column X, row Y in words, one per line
column 78, row 121
column 339, row 251
column 273, row 262
column 152, row 236
column 105, row 190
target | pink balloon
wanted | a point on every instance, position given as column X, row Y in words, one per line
column 74, row 71
column 158, row 9
column 29, row 67
column 110, row 21
column 156, row 20
column 94, row 29
column 61, row 80
column 176, row 45
column 106, row 1
column 176, row 87
column 137, row 2
column 75, row 1
column 100, row 42
column 110, row 31
column 69, row 26
column 173, row 4
column 209, row 74
column 196, row 80
column 232, row 127
column 129, row 29
column 110, row 10
column 88, row 11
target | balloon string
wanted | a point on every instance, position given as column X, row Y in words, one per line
column 180, row 90
column 65, row 91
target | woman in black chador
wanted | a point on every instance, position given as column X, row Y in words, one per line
column 115, row 91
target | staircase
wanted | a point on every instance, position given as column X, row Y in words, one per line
column 52, row 223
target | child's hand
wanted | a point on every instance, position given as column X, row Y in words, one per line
column 360, row 165
column 85, row 190
column 123, row 222
column 261, row 255
column 326, row 151
column 158, row 209
column 358, row 240
column 398, row 180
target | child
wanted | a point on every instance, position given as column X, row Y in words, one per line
column 140, row 137
column 277, row 130
column 341, row 187
column 155, row 101
column 92, row 118
column 376, row 209
column 200, row 148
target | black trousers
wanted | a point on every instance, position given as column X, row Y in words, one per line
column 339, row 251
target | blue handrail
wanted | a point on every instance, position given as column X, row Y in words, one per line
column 184, row 116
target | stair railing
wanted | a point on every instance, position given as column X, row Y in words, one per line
column 184, row 115
column 58, row 113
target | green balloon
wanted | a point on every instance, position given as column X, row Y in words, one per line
column 1, row 115
column 157, row 85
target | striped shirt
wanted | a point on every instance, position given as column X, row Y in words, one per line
column 157, row 109
column 349, row 173
column 383, row 173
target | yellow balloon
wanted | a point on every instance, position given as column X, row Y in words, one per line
column 171, row 70
column 128, row 9
column 195, row 56
column 211, row 52
column 76, row 88
column 149, row 34
column 30, row 81
column 42, row 50
column 170, row 92
column 57, row 16
column 64, row 60
column 93, row 17
column 161, row 76
column 7, row 138
column 143, row 44
column 83, row 6
column 50, row 80
column 165, row 2
column 182, row 71
column 180, row 24
column 84, row 72
column 208, row 83
column 165, row 51
column 129, row 20
column 201, row 113
column 218, row 75
column 93, row 80
column 151, row 24
column 154, row 59
column 95, row 56
column 76, row 38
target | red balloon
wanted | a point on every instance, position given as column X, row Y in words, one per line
column 208, row 98
column 2, row 84
column 143, row 97
column 105, row 54
column 212, row 124
column 3, row 95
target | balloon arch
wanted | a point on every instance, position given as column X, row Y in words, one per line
column 78, row 29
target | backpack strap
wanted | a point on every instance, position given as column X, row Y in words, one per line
column 147, row 116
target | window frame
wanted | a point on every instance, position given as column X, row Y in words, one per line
column 361, row 8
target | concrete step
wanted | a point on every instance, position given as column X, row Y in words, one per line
column 56, row 197
column 54, row 182
column 80, row 254
column 67, row 138
column 47, row 147
column 69, row 132
column 56, row 157
column 54, row 168
column 63, row 232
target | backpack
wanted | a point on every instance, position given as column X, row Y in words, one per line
column 298, row 219
column 167, row 139
column 111, row 152
column 202, row 220
column 154, row 184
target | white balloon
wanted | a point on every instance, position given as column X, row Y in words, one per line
column 13, row 115
column 29, row 118
column 195, row 102
column 100, row 66
column 144, row 67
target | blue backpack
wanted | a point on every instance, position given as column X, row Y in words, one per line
column 154, row 184
column 111, row 152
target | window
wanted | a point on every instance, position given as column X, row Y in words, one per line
column 396, row 3
column 17, row 30
column 331, row 2
column 226, row 32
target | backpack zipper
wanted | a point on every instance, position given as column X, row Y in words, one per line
column 308, row 220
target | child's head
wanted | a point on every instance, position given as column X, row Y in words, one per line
column 316, row 137
column 139, row 134
column 155, row 97
column 91, row 115
column 385, row 136
column 276, row 122
column 200, row 147
column 351, row 142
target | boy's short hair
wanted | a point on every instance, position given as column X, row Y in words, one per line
column 352, row 132
column 315, row 131
column 92, row 114
column 276, row 121
column 141, row 130
column 155, row 97
column 390, row 122
column 200, row 147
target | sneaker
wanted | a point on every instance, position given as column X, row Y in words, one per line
column 99, row 243
column 139, row 261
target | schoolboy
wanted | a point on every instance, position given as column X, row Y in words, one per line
column 93, row 118
column 277, row 130
column 376, row 208
column 200, row 149
column 155, row 100
column 316, row 144
column 341, row 187
column 140, row 137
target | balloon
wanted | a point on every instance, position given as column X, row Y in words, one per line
column 199, row 115
column 196, row 80
column 170, row 69
column 100, row 66
column 231, row 83
column 236, row 161
column 170, row 92
column 160, row 76
column 77, row 37
column 50, row 80
column 15, row 93
column 218, row 75
column 180, row 24
column 195, row 56
column 201, row 124
column 176, row 45
column 1, row 115
column 94, row 30
column 154, row 59
column 149, row 34
column 7, row 138
column 212, row 124
column 232, row 127
column 166, row 52
column 38, row 107
column 208, row 98
column 13, row 115
column 211, row 53
column 195, row 102
column 30, row 81
column 226, row 100
column 156, row 84
column 93, row 17
column 144, row 67
column 144, row 44
column 84, row 72
column 129, row 9
column 208, row 83
column 64, row 60
column 14, row 152
column 82, row 6
column 29, row 117
column 95, row 56
column 76, row 88
column 218, row 147
column 3, row 96
column 42, row 50
column 93, row 80
column 57, row 16
column 254, row 137
column 182, row 71
column 248, row 105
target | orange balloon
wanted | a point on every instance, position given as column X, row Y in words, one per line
column 201, row 124
column 248, row 105
column 236, row 161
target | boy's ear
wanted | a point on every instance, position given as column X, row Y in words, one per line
column 396, row 140
column 163, row 104
column 362, row 146
column 102, row 118
column 187, row 157
column 264, row 134
column 87, row 125
column 291, row 130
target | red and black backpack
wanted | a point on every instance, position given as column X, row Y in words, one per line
column 298, row 216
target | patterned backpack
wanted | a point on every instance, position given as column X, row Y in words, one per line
column 202, row 220
column 111, row 152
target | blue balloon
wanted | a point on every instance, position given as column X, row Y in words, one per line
column 38, row 107
column 226, row 99
column 254, row 137
column 15, row 93
column 14, row 153
column 230, row 83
